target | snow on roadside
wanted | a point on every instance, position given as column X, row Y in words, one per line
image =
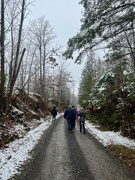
column 17, row 152
column 109, row 137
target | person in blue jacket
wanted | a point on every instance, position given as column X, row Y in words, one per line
column 54, row 113
column 70, row 115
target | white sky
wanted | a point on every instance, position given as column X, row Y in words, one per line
column 64, row 16
column 17, row 153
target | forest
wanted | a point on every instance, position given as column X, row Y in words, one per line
column 31, row 61
column 33, row 71
column 31, row 58
column 106, row 41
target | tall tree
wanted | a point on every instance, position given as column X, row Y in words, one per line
column 88, row 77
column 16, row 55
column 2, row 55
column 42, row 37
column 64, row 80
column 102, row 20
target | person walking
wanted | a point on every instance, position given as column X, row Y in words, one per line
column 82, row 116
column 70, row 115
column 74, row 109
column 54, row 113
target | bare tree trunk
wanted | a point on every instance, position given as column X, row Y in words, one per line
column 13, row 82
column 17, row 64
column 2, row 51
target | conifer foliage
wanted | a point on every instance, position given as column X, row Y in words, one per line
column 102, row 20
column 107, row 87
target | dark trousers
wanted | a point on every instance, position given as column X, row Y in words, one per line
column 73, row 124
column 82, row 126
column 70, row 126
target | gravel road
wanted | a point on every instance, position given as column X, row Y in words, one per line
column 72, row 156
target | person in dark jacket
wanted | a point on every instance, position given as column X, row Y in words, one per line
column 69, row 115
column 82, row 117
column 74, row 109
column 54, row 113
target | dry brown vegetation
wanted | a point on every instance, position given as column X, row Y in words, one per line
column 25, row 109
column 125, row 154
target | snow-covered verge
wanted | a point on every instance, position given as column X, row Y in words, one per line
column 12, row 157
column 108, row 137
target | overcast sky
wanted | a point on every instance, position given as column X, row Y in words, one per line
column 64, row 16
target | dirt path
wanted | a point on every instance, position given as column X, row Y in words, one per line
column 72, row 156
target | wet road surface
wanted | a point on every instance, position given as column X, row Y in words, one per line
column 61, row 155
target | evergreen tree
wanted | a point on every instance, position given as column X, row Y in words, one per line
column 87, row 81
column 102, row 20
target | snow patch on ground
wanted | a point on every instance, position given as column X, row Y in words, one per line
column 17, row 152
column 109, row 137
